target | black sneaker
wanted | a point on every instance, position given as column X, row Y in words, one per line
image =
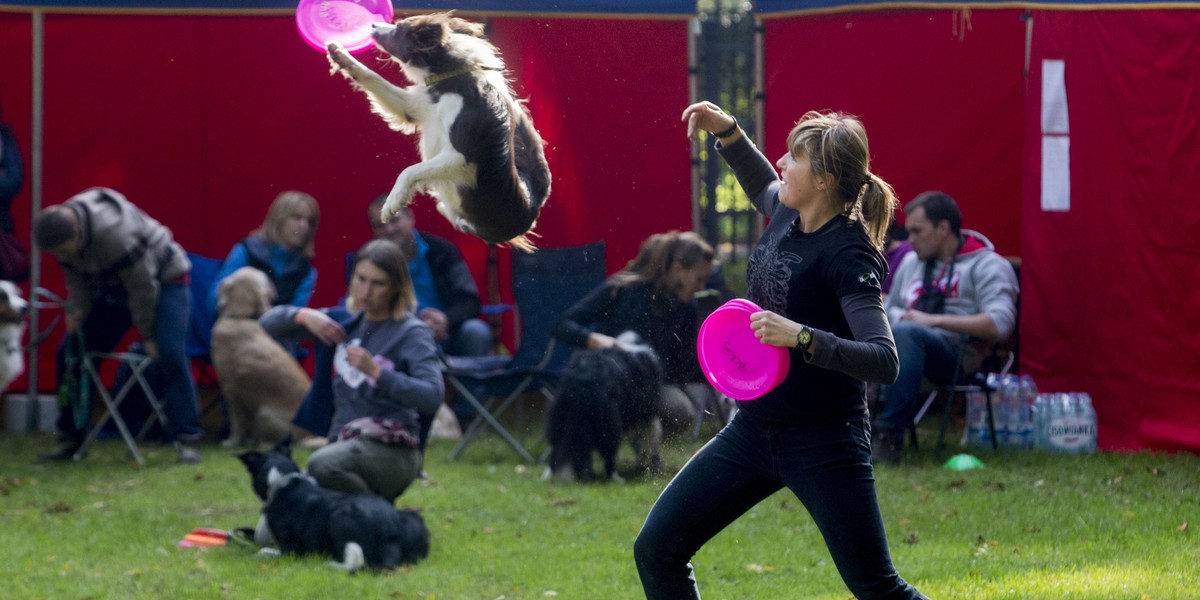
column 65, row 450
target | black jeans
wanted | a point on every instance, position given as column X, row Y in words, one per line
column 827, row 466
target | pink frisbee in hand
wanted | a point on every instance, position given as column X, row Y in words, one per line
column 734, row 361
column 345, row 21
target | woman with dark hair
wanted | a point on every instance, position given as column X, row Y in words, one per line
column 376, row 371
column 816, row 272
column 652, row 296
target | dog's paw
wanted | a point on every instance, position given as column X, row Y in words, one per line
column 398, row 199
column 268, row 552
column 339, row 59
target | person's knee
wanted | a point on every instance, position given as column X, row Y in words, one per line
column 645, row 549
column 652, row 552
column 324, row 469
column 906, row 331
column 474, row 338
column 676, row 411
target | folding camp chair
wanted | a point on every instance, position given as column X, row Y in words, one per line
column 138, row 363
column 545, row 284
column 198, row 343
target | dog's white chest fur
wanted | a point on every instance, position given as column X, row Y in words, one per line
column 436, row 145
column 12, row 330
column 12, row 363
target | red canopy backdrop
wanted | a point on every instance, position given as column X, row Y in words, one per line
column 1112, row 294
column 201, row 119
column 1109, row 287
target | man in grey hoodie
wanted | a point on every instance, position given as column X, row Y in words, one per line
column 122, row 268
column 952, row 284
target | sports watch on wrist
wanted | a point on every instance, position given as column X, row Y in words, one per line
column 803, row 337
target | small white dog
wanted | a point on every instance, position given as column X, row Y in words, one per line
column 12, row 329
column 480, row 155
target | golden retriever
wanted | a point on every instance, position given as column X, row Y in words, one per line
column 261, row 381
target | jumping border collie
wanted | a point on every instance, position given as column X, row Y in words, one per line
column 480, row 155
column 357, row 530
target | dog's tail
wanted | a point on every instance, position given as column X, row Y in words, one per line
column 352, row 558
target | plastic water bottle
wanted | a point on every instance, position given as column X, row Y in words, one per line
column 1089, row 414
column 1028, row 394
column 1010, row 412
column 1047, row 409
column 976, row 432
column 1039, row 421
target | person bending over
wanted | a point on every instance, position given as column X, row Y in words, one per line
column 652, row 296
column 122, row 268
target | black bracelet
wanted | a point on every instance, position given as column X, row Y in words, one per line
column 728, row 132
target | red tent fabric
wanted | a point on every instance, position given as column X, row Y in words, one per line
column 1112, row 287
column 943, row 111
column 203, row 119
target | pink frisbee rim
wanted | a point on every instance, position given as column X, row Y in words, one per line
column 317, row 28
column 735, row 362
column 744, row 304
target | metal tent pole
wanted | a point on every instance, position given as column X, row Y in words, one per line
column 35, row 257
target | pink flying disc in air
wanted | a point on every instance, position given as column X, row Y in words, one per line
column 345, row 21
column 734, row 361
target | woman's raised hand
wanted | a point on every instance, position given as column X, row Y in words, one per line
column 706, row 116
column 322, row 326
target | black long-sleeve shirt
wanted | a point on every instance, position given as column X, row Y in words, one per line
column 665, row 323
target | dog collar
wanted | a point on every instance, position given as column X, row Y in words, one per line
column 432, row 79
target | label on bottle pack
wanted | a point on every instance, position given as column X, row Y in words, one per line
column 1070, row 433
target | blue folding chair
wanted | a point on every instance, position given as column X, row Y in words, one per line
column 545, row 284
column 203, row 276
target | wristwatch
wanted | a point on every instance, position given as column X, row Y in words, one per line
column 803, row 337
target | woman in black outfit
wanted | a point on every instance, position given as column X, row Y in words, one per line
column 652, row 296
column 816, row 273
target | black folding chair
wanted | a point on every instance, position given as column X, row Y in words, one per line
column 545, row 283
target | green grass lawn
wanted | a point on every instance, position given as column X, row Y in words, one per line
column 1030, row 525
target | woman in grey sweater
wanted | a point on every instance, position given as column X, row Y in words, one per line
column 382, row 371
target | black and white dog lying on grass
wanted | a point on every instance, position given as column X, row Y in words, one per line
column 358, row 530
column 605, row 394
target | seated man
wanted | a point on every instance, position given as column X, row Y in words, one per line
column 952, row 284
column 447, row 297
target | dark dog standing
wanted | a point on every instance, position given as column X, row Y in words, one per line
column 355, row 529
column 605, row 394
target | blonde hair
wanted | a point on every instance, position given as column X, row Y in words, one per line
column 281, row 208
column 386, row 255
column 659, row 253
column 836, row 145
